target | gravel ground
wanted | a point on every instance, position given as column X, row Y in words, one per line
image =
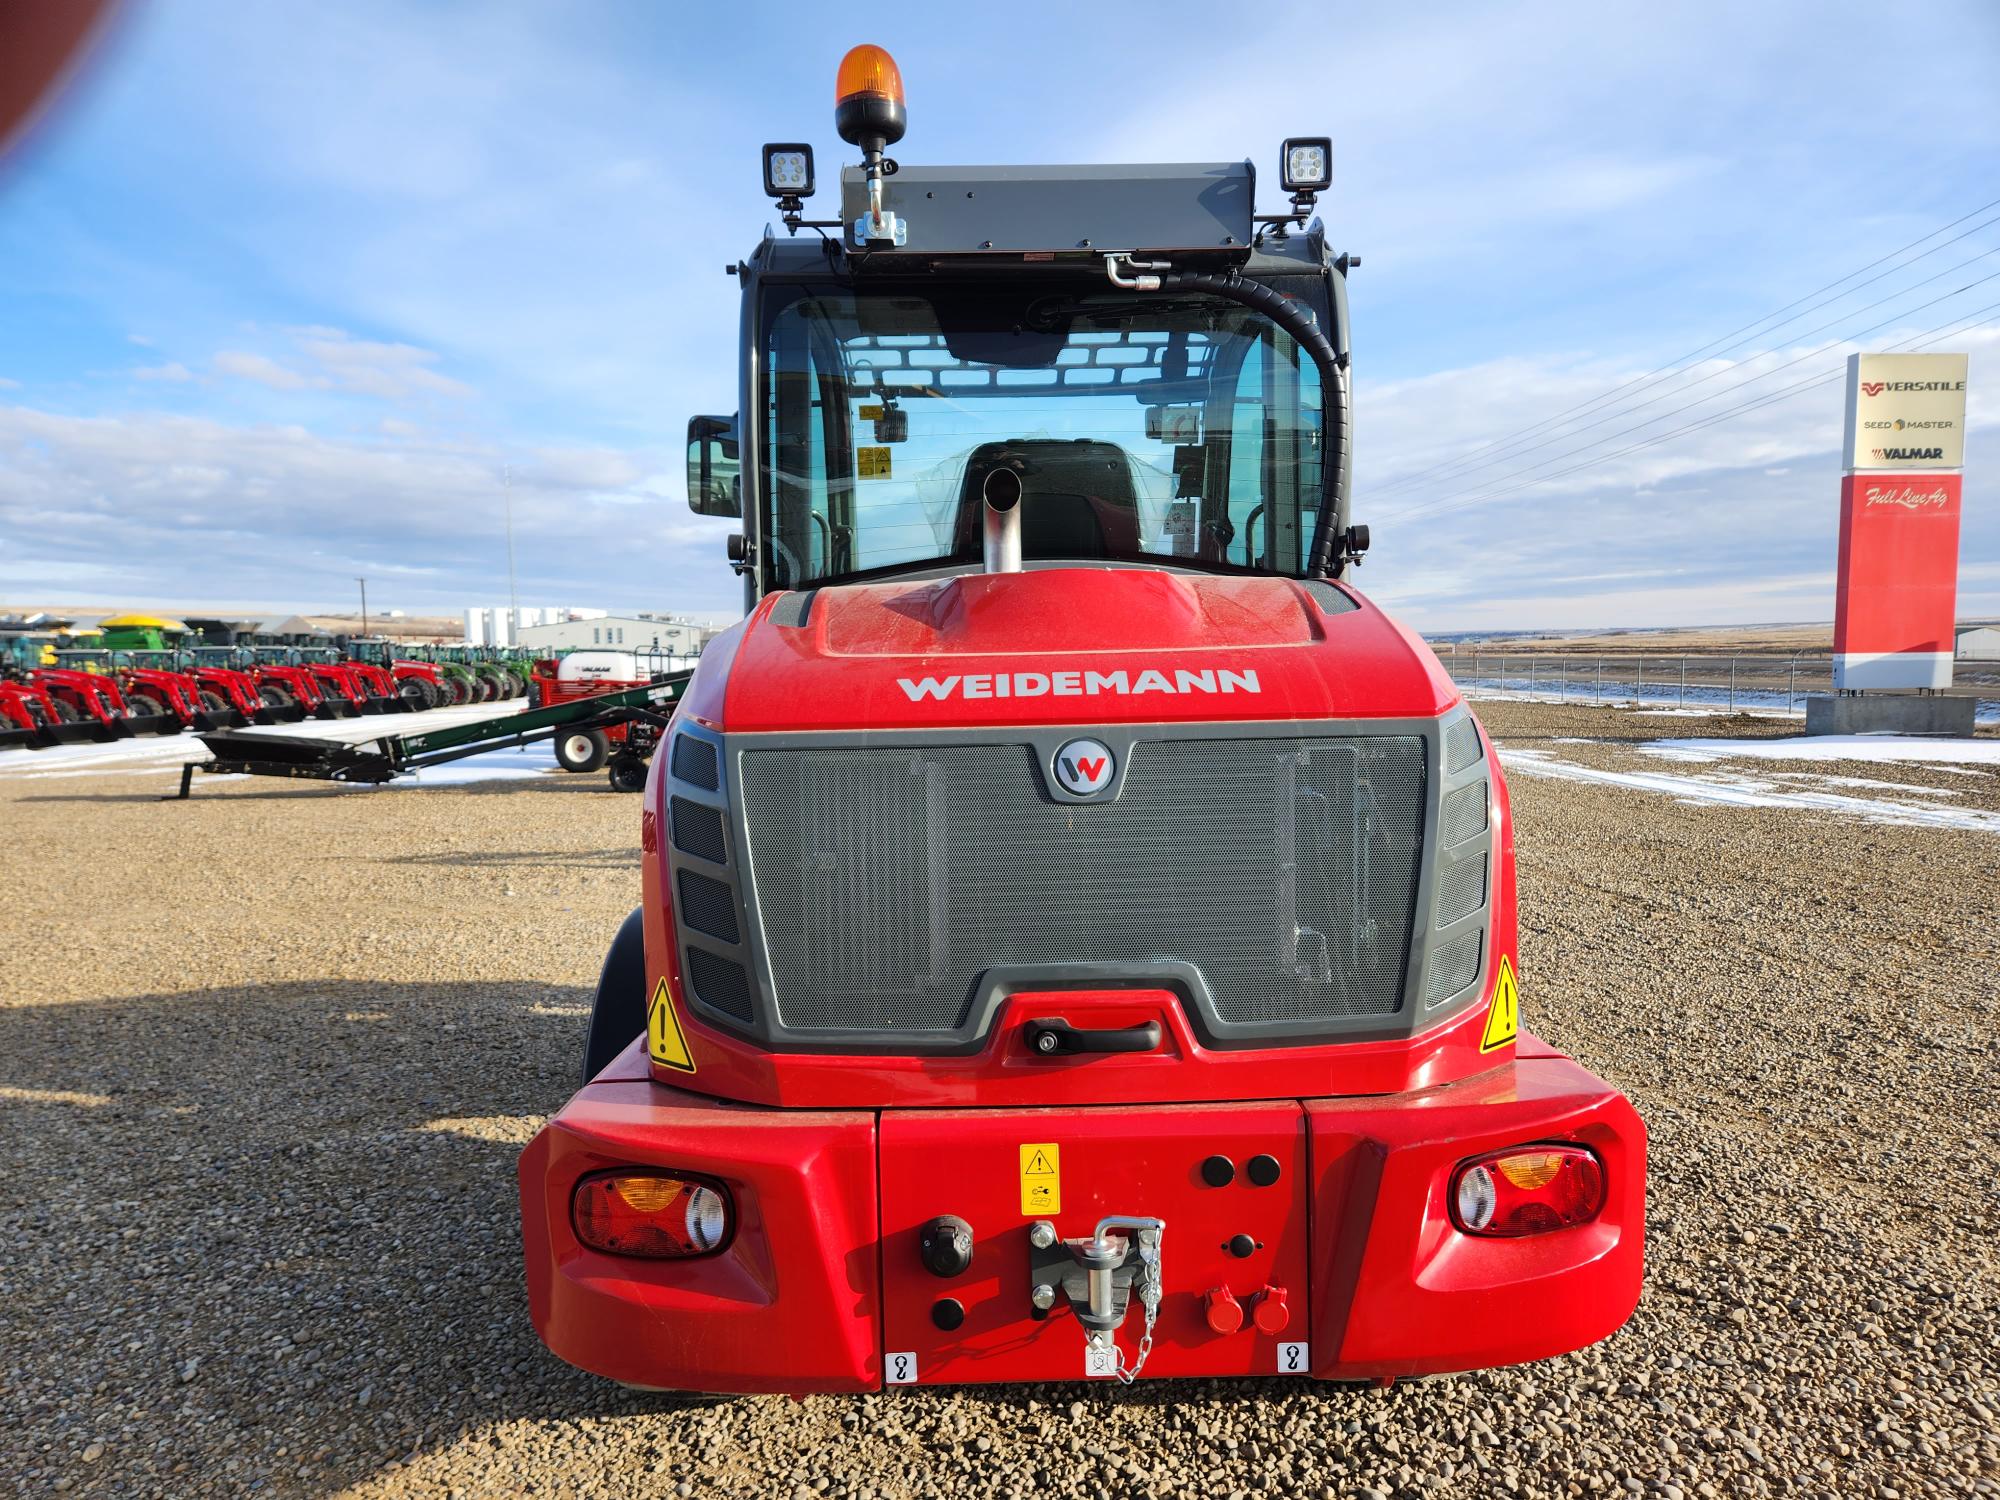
column 266, row 1059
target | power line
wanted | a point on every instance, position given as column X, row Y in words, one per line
column 1449, row 501
column 1749, row 380
column 1682, row 362
column 1923, row 340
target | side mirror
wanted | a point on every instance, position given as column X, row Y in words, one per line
column 714, row 472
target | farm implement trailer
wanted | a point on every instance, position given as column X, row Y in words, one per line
column 642, row 712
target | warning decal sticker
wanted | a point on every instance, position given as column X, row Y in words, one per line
column 664, row 1042
column 1503, row 1016
column 872, row 463
column 1041, row 1179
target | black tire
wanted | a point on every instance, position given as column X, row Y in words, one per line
column 619, row 1012
column 411, row 691
column 65, row 712
column 213, row 703
column 435, row 694
column 144, row 706
column 276, row 696
column 582, row 750
column 628, row 773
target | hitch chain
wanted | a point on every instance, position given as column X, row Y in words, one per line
column 1147, row 1287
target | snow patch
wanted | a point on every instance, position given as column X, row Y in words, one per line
column 1731, row 789
column 1880, row 748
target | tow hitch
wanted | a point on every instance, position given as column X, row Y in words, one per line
column 1097, row 1276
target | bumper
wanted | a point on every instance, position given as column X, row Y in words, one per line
column 822, row 1277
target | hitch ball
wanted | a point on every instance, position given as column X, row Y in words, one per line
column 945, row 1243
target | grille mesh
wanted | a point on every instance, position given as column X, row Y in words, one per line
column 1461, row 891
column 707, row 906
column 1454, row 965
column 719, row 982
column 694, row 762
column 887, row 879
column 1464, row 813
column 697, row 829
column 1461, row 745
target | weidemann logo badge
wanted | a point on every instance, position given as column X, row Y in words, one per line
column 1084, row 767
column 1080, row 684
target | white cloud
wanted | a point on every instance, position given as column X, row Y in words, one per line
column 151, row 503
column 391, row 371
column 173, row 373
column 266, row 371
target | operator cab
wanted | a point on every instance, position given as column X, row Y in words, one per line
column 1161, row 367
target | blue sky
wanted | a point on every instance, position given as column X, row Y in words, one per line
column 291, row 291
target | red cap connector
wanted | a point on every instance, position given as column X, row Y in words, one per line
column 1224, row 1312
column 1270, row 1313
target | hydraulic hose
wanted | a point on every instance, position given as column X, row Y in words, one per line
column 1329, row 554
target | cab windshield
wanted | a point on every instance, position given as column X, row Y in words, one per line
column 1181, row 429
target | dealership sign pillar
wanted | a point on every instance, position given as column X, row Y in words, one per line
column 1897, row 588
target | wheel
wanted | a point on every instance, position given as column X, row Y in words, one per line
column 276, row 696
column 65, row 713
column 582, row 750
column 435, row 694
column 619, row 1012
column 213, row 703
column 628, row 773
column 145, row 706
column 411, row 691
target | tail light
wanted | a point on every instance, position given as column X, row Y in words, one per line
column 663, row 1215
column 1527, row 1190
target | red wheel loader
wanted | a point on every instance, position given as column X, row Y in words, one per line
column 1078, row 928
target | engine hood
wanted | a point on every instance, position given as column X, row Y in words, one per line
column 1064, row 646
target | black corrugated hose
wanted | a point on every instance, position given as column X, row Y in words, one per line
column 1331, row 526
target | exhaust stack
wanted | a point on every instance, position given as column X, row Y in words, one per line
column 1001, row 491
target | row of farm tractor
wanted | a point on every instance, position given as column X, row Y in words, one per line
column 56, row 690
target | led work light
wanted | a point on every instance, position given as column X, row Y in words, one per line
column 788, row 170
column 1308, row 164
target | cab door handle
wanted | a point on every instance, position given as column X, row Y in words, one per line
column 1055, row 1037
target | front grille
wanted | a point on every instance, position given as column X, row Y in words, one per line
column 697, row 829
column 719, row 982
column 707, row 906
column 1454, row 965
column 885, row 880
column 694, row 762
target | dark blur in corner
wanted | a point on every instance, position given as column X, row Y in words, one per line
column 42, row 43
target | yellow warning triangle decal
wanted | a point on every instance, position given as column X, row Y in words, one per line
column 1503, row 1016
column 664, row 1042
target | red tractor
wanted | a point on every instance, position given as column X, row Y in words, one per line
column 418, row 683
column 292, row 690
column 160, row 699
column 349, row 687
column 1078, row 935
column 591, row 674
column 30, row 718
column 228, row 696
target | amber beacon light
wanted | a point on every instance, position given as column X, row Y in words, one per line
column 868, row 112
column 868, row 98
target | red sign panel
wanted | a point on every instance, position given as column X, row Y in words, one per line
column 1898, row 580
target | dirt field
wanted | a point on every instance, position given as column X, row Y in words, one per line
column 267, row 1057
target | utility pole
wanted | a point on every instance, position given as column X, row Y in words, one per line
column 364, row 606
column 513, row 599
